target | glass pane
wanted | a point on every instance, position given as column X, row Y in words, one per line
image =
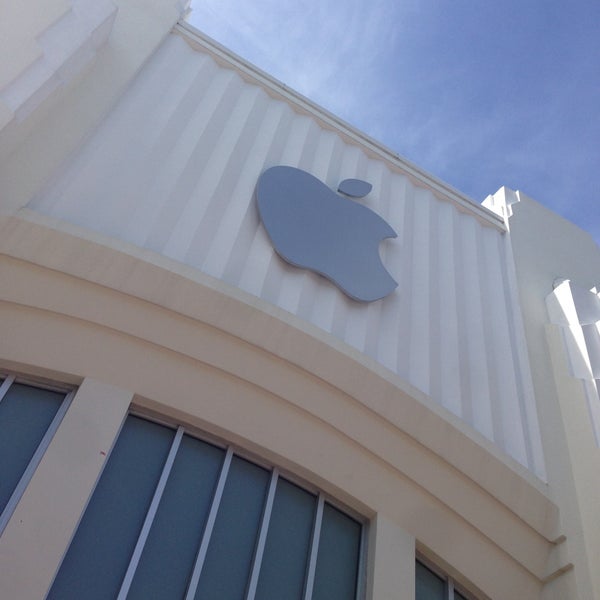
column 287, row 547
column 428, row 585
column 170, row 551
column 25, row 415
column 99, row 554
column 337, row 559
column 229, row 558
column 458, row 596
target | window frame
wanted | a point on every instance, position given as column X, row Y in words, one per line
column 69, row 391
column 230, row 449
column 137, row 410
column 450, row 583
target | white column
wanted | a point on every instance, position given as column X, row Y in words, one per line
column 391, row 567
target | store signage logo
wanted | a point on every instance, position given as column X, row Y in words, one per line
column 315, row 228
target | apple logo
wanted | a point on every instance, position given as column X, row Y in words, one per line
column 315, row 228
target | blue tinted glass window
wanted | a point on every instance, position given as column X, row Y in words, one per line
column 170, row 551
column 337, row 558
column 287, row 547
column 428, row 585
column 97, row 559
column 102, row 548
column 227, row 565
column 26, row 413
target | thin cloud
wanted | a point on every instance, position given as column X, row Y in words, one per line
column 478, row 106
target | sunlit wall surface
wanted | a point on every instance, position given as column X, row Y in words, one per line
column 177, row 176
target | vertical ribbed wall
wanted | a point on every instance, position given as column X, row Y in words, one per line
column 173, row 168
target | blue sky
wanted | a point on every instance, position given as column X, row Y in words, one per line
column 479, row 93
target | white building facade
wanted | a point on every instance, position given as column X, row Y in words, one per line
column 213, row 422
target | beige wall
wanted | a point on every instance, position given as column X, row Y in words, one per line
column 20, row 43
column 213, row 358
column 179, row 180
column 548, row 248
column 79, row 307
column 31, row 149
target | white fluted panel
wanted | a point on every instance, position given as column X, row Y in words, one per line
column 173, row 168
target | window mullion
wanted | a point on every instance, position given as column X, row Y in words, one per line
column 210, row 523
column 314, row 549
column 262, row 537
column 360, row 576
column 160, row 488
column 5, row 385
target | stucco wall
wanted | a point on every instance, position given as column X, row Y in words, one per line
column 69, row 62
column 177, row 176
column 76, row 309
column 549, row 249
column 403, row 411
